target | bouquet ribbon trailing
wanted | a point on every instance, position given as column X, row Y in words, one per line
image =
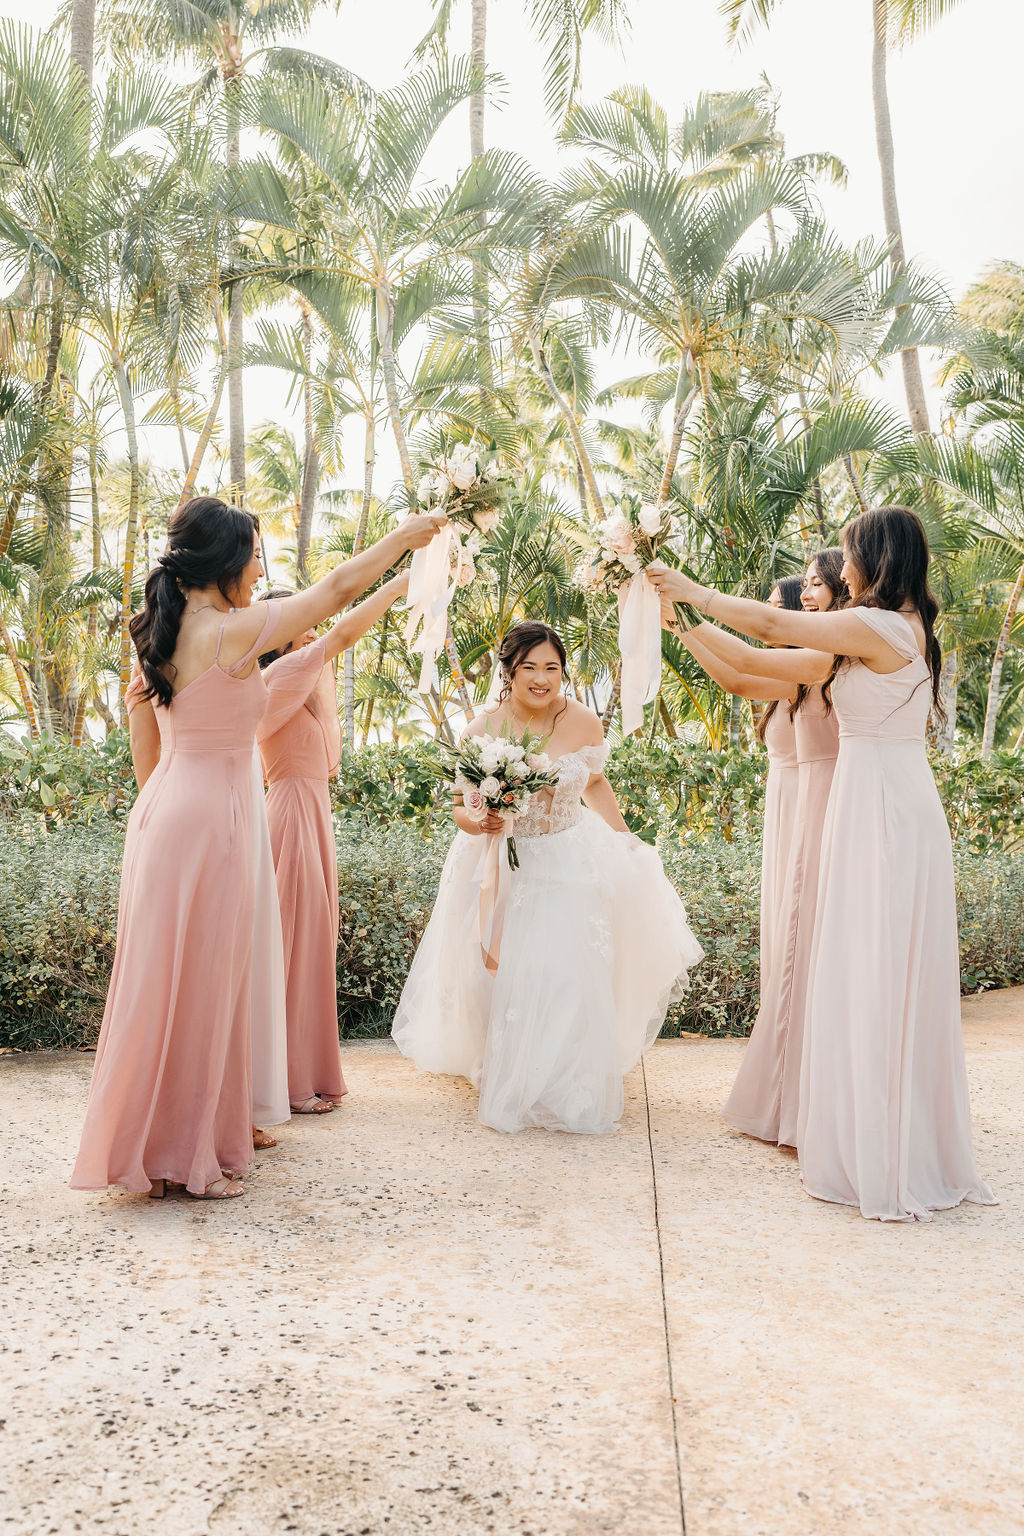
column 639, row 647
column 431, row 587
column 495, row 875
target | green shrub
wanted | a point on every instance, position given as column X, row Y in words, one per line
column 58, row 906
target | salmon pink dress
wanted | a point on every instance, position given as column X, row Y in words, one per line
column 300, row 743
column 765, row 1098
column 752, row 1106
column 171, row 1093
column 885, row 1121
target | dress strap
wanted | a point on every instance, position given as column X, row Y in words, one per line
column 894, row 628
column 220, row 635
column 262, row 639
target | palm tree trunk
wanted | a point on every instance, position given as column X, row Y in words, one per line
column 27, row 701
column 203, row 440
column 78, row 729
column 680, row 410
column 83, row 28
column 858, row 489
column 369, row 460
column 53, row 345
column 608, row 713
column 992, row 706
column 310, row 456
column 182, row 444
column 917, row 405
column 381, row 651
column 131, row 530
column 481, row 292
column 572, row 425
column 236, row 325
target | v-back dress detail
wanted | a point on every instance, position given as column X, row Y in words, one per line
column 300, row 743
column 595, row 947
column 765, row 1097
column 171, row 1092
column 884, row 1121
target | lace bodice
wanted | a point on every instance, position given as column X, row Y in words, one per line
column 557, row 810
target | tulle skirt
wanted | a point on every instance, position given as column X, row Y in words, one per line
column 595, row 948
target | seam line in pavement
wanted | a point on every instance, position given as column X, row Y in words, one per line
column 664, row 1305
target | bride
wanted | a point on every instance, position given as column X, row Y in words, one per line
column 595, row 944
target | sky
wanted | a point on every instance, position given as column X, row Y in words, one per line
column 954, row 96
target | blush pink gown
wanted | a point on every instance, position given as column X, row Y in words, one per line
column 765, row 1098
column 885, row 1119
column 300, row 743
column 752, row 1106
column 171, row 1093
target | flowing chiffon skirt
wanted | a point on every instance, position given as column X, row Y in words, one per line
column 269, row 1020
column 595, row 948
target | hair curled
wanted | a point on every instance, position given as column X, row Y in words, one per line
column 789, row 589
column 889, row 547
column 208, row 542
column 517, row 644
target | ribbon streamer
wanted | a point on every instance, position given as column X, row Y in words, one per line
column 431, row 587
column 495, row 876
column 639, row 647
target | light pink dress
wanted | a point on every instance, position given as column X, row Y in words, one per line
column 171, row 1093
column 766, row 1095
column 752, row 1106
column 300, row 743
column 884, row 1112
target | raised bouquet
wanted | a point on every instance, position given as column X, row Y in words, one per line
column 624, row 543
column 471, row 489
column 500, row 773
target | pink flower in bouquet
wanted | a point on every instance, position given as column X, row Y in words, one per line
column 618, row 536
column 509, row 799
column 475, row 804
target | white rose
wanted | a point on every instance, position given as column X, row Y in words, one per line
column 441, row 484
column 466, row 573
column 490, row 788
column 631, row 563
column 516, row 754
column 488, row 759
column 487, row 520
column 650, row 519
column 425, row 488
column 519, row 770
column 538, row 762
column 461, row 476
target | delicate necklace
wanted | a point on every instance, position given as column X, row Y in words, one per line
column 202, row 607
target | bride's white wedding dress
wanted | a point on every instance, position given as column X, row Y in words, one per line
column 595, row 948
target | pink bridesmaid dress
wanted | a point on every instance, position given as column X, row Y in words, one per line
column 752, row 1106
column 300, row 742
column 171, row 1093
column 765, row 1098
column 884, row 1117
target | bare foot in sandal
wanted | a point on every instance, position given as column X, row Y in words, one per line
column 314, row 1105
column 261, row 1141
column 221, row 1189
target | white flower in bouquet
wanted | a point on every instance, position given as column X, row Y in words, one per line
column 461, row 473
column 474, row 804
column 519, row 770
column 425, row 489
column 617, row 535
column 538, row 762
column 442, row 484
column 488, row 519
column 650, row 519
column 466, row 573
column 490, row 787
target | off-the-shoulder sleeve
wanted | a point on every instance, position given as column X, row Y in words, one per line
column 595, row 757
column 894, row 628
column 290, row 681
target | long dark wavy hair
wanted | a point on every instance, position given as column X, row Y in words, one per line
column 268, row 597
column 789, row 589
column 207, row 541
column 889, row 547
column 519, row 641
column 828, row 563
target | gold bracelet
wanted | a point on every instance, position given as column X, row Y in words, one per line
column 706, row 607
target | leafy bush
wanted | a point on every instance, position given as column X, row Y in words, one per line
column 58, row 906
column 62, row 783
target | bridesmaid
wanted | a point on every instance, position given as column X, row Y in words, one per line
column 171, row 1092
column 300, row 743
column 755, row 1109
column 884, row 1119
column 765, row 1096
column 269, row 1029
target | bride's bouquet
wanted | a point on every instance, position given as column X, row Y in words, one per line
column 500, row 773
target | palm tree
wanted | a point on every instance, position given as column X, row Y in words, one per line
column 224, row 38
column 894, row 23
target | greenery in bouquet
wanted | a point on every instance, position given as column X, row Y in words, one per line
column 500, row 773
column 623, row 543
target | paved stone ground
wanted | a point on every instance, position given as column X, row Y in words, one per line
column 413, row 1325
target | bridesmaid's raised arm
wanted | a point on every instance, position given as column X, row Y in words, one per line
column 734, row 675
column 344, row 634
